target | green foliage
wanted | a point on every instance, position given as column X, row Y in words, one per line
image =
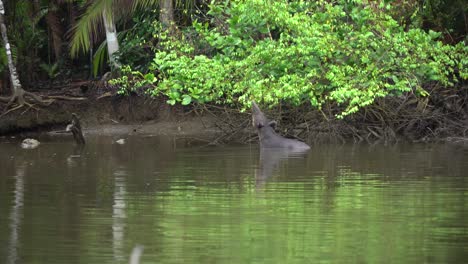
column 52, row 70
column 297, row 52
column 23, row 34
column 448, row 16
column 139, row 40
column 135, row 78
column 3, row 59
column 99, row 58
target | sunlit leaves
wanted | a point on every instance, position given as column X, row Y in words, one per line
column 302, row 52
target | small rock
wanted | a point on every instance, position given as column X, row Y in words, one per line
column 120, row 141
column 30, row 143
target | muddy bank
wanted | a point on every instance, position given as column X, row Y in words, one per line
column 111, row 115
column 442, row 116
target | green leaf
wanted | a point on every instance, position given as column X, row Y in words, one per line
column 150, row 77
column 186, row 99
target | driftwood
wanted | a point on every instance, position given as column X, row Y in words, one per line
column 75, row 128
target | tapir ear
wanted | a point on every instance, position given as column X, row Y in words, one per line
column 272, row 123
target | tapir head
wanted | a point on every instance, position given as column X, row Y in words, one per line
column 259, row 120
column 267, row 135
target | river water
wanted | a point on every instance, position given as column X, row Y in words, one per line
column 189, row 203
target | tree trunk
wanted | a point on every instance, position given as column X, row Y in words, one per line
column 15, row 82
column 167, row 14
column 36, row 6
column 55, row 30
column 18, row 92
column 111, row 38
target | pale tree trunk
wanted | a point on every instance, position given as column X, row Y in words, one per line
column 18, row 92
column 167, row 14
column 111, row 38
column 15, row 82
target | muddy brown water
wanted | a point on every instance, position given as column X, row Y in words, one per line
column 189, row 203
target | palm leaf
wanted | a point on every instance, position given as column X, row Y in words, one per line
column 98, row 58
column 142, row 4
column 88, row 26
column 185, row 5
column 101, row 54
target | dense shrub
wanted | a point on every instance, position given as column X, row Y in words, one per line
column 345, row 52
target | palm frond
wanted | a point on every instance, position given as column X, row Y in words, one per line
column 98, row 58
column 142, row 4
column 88, row 25
column 101, row 54
column 185, row 5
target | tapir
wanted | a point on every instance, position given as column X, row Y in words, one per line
column 267, row 135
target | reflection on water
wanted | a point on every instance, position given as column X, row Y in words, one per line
column 269, row 161
column 16, row 215
column 234, row 204
column 119, row 215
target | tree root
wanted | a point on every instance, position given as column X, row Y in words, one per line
column 68, row 98
column 19, row 98
column 22, row 98
column 408, row 117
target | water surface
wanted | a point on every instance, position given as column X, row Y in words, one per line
column 189, row 203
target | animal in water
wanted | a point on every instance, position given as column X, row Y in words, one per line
column 30, row 143
column 75, row 128
column 267, row 135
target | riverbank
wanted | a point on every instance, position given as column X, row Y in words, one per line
column 104, row 112
column 112, row 115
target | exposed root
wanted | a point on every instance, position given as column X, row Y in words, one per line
column 19, row 98
column 232, row 122
column 408, row 117
column 67, row 98
column 22, row 98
